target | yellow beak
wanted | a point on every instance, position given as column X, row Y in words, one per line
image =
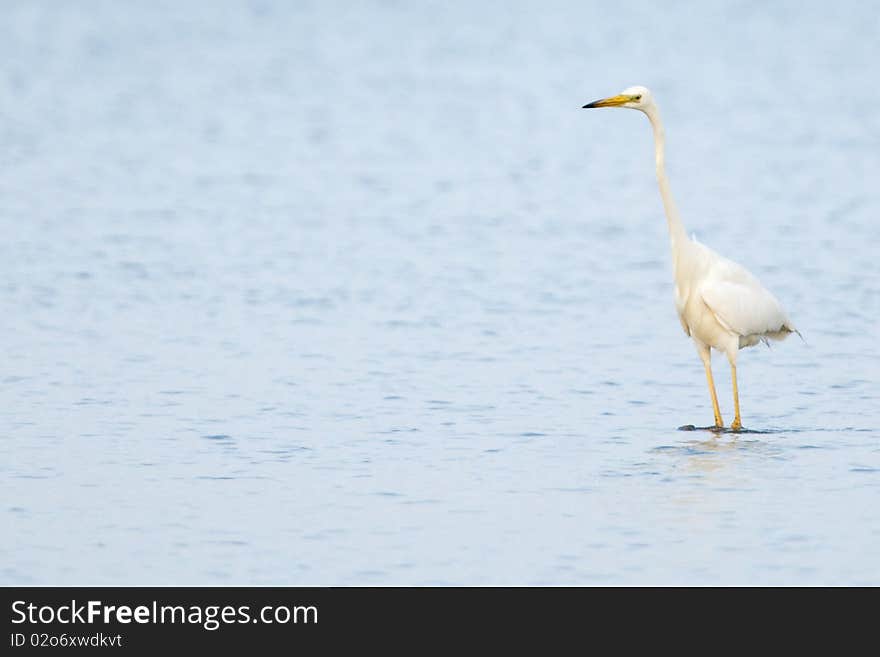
column 614, row 101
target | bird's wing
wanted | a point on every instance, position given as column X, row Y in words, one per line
column 740, row 303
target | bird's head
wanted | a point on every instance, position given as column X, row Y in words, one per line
column 639, row 98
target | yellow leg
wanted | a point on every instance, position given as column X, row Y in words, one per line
column 718, row 421
column 737, row 421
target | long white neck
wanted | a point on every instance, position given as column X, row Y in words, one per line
column 677, row 233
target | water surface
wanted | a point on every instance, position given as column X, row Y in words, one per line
column 355, row 293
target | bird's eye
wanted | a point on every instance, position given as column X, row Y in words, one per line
column 639, row 97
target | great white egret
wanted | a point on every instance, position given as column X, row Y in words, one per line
column 721, row 304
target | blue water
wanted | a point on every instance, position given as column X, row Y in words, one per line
column 355, row 293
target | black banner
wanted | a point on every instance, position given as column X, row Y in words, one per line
column 233, row 618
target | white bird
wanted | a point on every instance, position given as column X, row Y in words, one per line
column 721, row 304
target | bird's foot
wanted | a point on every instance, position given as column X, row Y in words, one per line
column 736, row 425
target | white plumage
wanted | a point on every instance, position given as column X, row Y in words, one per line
column 721, row 305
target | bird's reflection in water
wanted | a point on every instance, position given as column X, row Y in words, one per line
column 713, row 455
column 717, row 452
